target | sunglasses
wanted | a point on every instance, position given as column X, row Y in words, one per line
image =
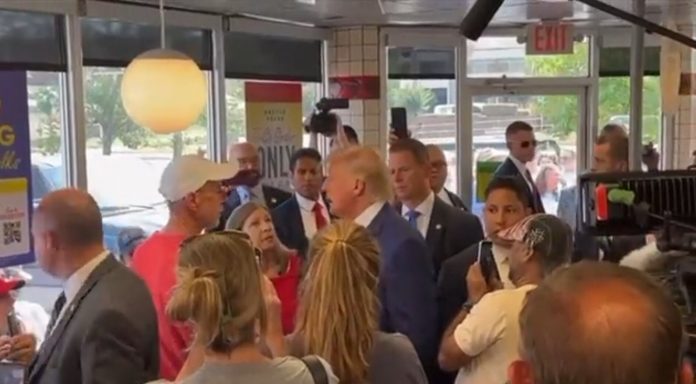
column 232, row 233
column 526, row 144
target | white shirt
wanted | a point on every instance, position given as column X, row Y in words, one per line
column 74, row 283
column 309, row 221
column 444, row 196
column 369, row 214
column 425, row 208
column 522, row 168
column 491, row 334
column 500, row 255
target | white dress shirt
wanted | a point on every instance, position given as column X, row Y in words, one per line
column 444, row 196
column 522, row 168
column 369, row 214
column 309, row 221
column 74, row 283
column 425, row 208
column 490, row 334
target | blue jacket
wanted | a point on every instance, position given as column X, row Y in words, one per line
column 407, row 286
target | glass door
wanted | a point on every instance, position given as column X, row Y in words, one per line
column 557, row 116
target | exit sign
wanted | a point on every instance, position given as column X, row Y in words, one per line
column 549, row 39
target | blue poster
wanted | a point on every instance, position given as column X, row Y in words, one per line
column 15, row 170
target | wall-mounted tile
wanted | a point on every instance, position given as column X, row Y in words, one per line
column 371, row 139
column 371, row 68
column 370, row 52
column 356, row 52
column 343, row 69
column 342, row 54
column 356, row 68
column 356, row 36
column 356, row 107
column 370, row 36
column 333, row 69
column 331, row 53
column 371, row 107
column 357, row 123
column 343, row 38
column 371, row 122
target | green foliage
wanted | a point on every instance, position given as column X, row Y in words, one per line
column 561, row 112
column 47, row 103
column 236, row 114
column 414, row 97
column 105, row 113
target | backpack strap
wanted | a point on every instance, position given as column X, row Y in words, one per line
column 316, row 369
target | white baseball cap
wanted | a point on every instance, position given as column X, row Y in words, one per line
column 188, row 173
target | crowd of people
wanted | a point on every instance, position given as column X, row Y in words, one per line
column 370, row 271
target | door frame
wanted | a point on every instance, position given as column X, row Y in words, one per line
column 499, row 87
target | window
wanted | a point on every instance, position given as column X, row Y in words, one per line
column 505, row 56
column 422, row 80
column 615, row 105
column 32, row 41
column 45, row 133
column 125, row 161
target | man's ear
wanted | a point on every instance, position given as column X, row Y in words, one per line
column 520, row 372
column 686, row 374
column 359, row 187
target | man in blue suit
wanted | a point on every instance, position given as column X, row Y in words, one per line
column 358, row 189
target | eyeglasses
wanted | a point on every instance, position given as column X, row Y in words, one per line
column 232, row 233
column 526, row 144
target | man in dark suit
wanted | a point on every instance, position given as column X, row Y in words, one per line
column 438, row 177
column 357, row 187
column 520, row 140
column 247, row 157
column 300, row 217
column 446, row 230
column 506, row 204
column 103, row 327
column 610, row 155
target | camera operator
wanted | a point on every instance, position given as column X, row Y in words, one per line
column 610, row 155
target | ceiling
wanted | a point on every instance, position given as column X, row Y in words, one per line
column 332, row 13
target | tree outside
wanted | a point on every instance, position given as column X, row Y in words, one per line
column 414, row 97
column 614, row 97
column 48, row 104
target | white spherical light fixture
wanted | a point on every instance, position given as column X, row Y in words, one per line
column 164, row 91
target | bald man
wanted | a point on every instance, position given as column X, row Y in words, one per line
column 438, row 177
column 600, row 323
column 247, row 157
column 358, row 188
column 103, row 328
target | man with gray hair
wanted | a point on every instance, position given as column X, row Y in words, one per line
column 483, row 339
column 600, row 323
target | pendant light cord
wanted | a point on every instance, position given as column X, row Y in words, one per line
column 161, row 10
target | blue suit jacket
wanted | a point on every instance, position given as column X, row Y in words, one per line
column 407, row 286
column 287, row 220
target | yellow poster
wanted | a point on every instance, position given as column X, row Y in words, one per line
column 274, row 125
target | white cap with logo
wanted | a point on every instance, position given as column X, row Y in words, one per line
column 188, row 173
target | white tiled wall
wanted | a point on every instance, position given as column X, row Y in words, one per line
column 354, row 51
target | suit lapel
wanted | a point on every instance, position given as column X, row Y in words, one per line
column 298, row 225
column 436, row 230
column 51, row 342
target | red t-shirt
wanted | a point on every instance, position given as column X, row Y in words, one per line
column 286, row 287
column 155, row 261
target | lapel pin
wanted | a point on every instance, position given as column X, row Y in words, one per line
column 438, row 227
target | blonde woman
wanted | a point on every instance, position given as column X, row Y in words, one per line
column 220, row 291
column 339, row 312
column 281, row 265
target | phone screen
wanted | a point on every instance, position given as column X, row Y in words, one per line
column 487, row 261
column 399, row 123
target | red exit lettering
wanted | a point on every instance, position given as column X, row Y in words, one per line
column 550, row 38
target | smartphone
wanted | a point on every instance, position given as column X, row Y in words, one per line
column 399, row 123
column 487, row 261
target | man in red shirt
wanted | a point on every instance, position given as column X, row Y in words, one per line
column 194, row 191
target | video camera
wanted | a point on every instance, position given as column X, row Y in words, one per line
column 638, row 203
column 322, row 120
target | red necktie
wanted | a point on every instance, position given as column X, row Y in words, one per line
column 319, row 217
